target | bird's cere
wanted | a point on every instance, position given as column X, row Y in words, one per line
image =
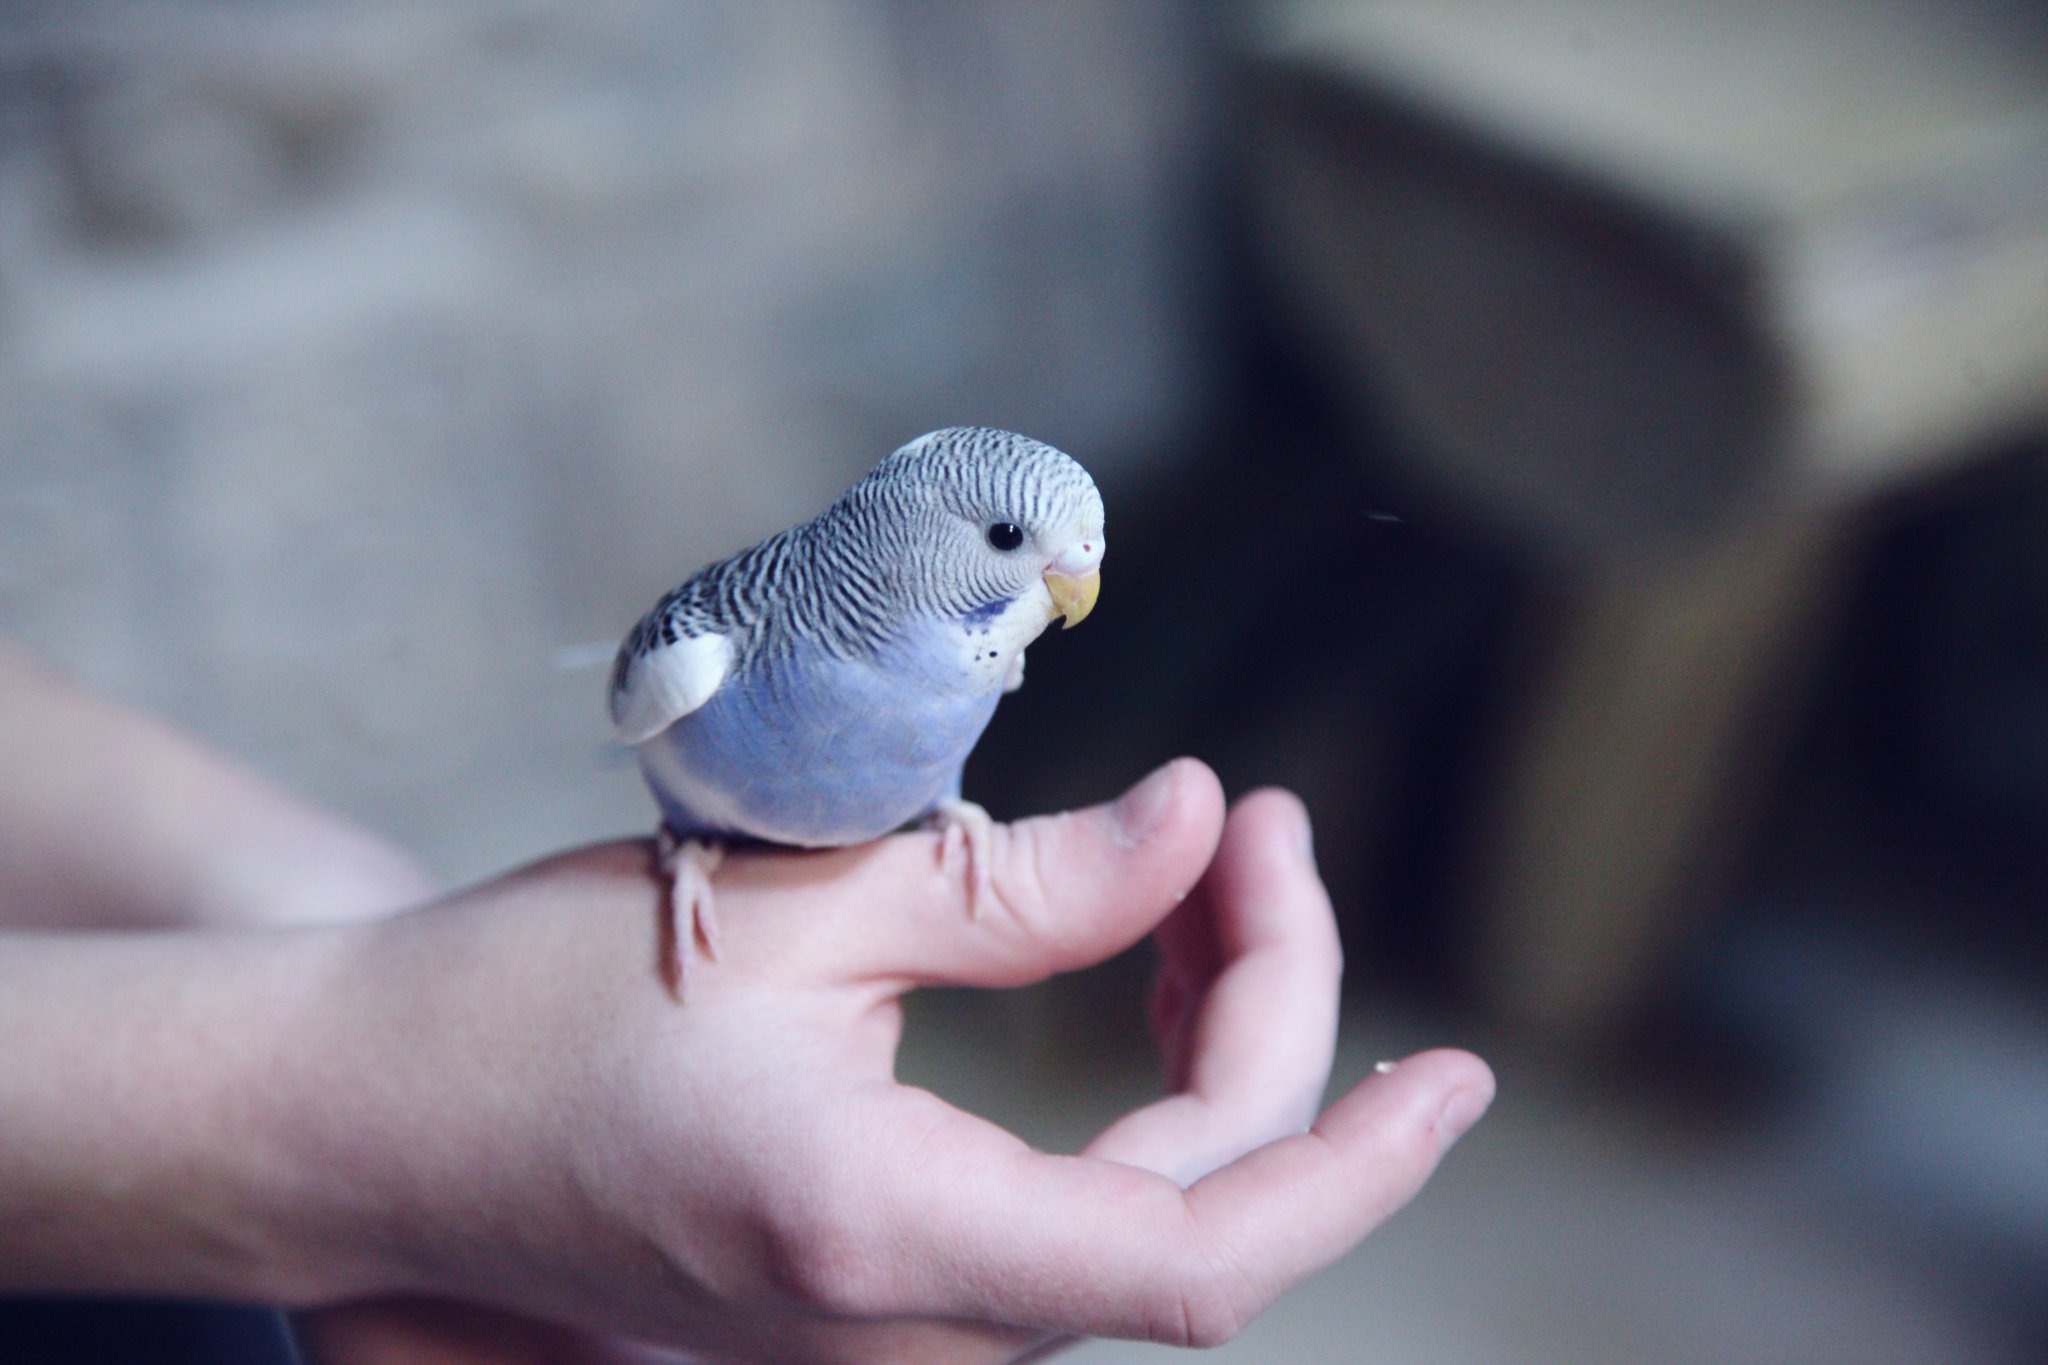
column 1078, row 560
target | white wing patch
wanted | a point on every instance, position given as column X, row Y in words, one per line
column 666, row 683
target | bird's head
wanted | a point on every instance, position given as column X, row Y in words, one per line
column 990, row 517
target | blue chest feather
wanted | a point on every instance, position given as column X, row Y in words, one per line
column 803, row 748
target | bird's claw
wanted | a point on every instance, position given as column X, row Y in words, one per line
column 688, row 917
column 966, row 835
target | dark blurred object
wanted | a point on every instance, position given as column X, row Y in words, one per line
column 1668, row 296
column 1914, row 790
column 125, row 1332
column 1295, row 615
column 1943, row 679
column 1875, row 991
column 1631, row 272
column 1914, row 799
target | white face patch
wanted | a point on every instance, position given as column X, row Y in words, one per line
column 987, row 649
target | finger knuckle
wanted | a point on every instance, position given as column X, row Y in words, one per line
column 1021, row 881
column 825, row 1257
column 1206, row 1301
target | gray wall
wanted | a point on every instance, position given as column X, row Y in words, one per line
column 354, row 358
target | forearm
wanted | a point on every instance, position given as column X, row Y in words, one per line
column 145, row 1092
column 109, row 818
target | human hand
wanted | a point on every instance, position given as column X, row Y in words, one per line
column 501, row 1106
column 281, row 1134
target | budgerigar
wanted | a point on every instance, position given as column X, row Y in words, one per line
column 826, row 686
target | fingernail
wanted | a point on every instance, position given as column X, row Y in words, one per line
column 1308, row 839
column 1460, row 1112
column 1141, row 810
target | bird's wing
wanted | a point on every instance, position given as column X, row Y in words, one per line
column 668, row 667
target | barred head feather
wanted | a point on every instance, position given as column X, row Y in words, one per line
column 910, row 539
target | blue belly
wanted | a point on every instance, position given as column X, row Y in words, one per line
column 815, row 751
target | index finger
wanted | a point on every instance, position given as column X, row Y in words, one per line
column 1250, row 975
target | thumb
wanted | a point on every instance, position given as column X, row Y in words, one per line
column 1064, row 891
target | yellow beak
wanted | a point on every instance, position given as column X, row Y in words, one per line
column 1073, row 597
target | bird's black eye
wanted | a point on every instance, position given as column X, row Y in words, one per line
column 1006, row 535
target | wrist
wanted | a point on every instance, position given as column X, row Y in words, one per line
column 471, row 1100
column 421, row 1140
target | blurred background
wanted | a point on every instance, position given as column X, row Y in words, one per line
column 1596, row 451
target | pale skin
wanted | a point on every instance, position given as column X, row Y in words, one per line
column 481, row 1131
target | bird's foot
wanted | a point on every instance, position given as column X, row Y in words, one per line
column 688, row 917
column 966, row 835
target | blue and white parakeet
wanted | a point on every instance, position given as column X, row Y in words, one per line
column 826, row 686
